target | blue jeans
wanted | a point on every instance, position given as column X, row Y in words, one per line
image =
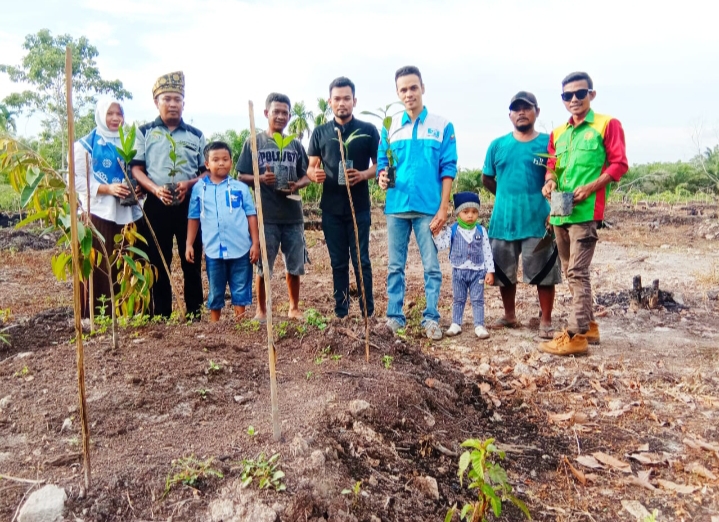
column 340, row 238
column 236, row 272
column 398, row 232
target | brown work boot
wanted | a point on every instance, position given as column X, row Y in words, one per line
column 565, row 345
column 593, row 334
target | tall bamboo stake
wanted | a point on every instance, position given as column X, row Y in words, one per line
column 88, row 221
column 76, row 270
column 276, row 431
column 359, row 255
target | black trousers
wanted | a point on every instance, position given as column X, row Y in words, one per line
column 340, row 238
column 170, row 222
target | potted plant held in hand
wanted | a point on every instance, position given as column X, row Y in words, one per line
column 341, row 177
column 386, row 124
column 127, row 153
column 280, row 170
column 176, row 163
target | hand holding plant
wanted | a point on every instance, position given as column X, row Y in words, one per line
column 268, row 178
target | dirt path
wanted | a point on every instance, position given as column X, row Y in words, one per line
column 648, row 397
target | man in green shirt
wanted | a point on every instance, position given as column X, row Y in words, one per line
column 586, row 154
column 514, row 171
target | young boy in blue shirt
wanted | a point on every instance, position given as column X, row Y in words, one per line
column 230, row 236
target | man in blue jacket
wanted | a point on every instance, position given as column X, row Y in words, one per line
column 424, row 151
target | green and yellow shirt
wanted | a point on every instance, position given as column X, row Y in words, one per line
column 580, row 154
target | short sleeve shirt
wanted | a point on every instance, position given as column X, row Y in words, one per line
column 222, row 209
column 276, row 207
column 520, row 211
column 361, row 150
column 153, row 149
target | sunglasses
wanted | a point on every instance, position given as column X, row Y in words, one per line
column 580, row 94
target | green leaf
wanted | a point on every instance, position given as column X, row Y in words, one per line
column 277, row 475
column 494, row 500
column 387, row 123
column 463, row 465
column 468, row 508
column 86, row 243
column 246, row 482
column 496, row 474
column 477, row 464
column 130, row 262
column 32, row 217
column 278, row 140
column 521, row 505
column 58, row 264
column 450, row 514
column 138, row 252
column 472, row 443
column 346, row 491
column 34, row 177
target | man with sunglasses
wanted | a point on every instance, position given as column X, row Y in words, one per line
column 586, row 154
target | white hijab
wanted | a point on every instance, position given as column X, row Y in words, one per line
column 101, row 109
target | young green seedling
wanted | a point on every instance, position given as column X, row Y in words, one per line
column 282, row 182
column 386, row 120
column 341, row 178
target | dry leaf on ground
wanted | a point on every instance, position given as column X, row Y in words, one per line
column 589, row 462
column 612, row 462
column 700, row 444
column 700, row 470
column 649, row 459
column 577, row 474
column 635, row 508
column 679, row 488
column 641, row 480
column 643, row 447
column 561, row 417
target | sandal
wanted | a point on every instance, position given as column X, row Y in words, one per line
column 503, row 323
column 546, row 331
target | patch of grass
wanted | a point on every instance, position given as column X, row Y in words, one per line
column 387, row 361
column 267, row 472
column 710, row 278
column 24, row 372
column 281, row 329
column 315, row 318
column 248, row 325
column 9, row 199
column 414, row 317
column 322, row 357
column 190, row 471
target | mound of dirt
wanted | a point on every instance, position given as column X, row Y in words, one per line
column 395, row 423
column 20, row 240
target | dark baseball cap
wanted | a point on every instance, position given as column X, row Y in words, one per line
column 524, row 96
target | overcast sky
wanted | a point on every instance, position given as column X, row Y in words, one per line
column 654, row 66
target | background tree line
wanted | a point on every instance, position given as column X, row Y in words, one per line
column 42, row 69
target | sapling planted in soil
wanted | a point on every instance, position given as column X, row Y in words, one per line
column 489, row 480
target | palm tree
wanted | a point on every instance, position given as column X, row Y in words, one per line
column 234, row 139
column 325, row 112
column 7, row 119
column 300, row 120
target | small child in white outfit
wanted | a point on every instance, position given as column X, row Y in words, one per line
column 472, row 263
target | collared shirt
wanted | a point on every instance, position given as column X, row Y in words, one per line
column 324, row 144
column 222, row 210
column 425, row 152
column 153, row 149
column 581, row 154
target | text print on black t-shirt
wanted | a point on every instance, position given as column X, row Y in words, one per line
column 272, row 156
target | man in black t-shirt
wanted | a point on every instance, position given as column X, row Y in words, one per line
column 282, row 213
column 324, row 167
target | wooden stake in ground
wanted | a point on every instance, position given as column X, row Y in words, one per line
column 88, row 222
column 76, row 269
column 276, row 431
column 359, row 256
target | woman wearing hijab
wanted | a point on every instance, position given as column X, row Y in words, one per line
column 98, row 171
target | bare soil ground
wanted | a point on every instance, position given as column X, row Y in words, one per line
column 590, row 438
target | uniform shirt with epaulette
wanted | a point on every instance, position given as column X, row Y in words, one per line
column 153, row 149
